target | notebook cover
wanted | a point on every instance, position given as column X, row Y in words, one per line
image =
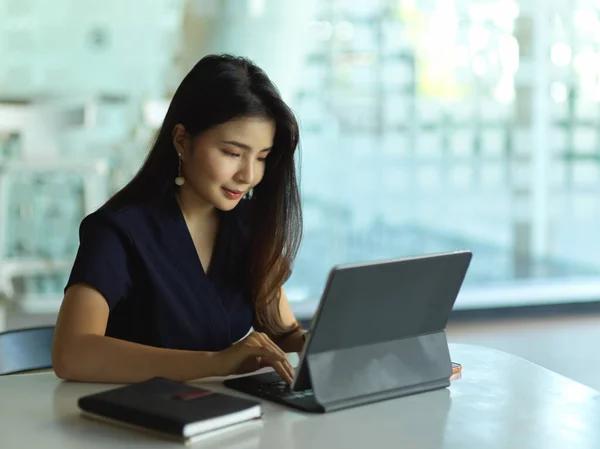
column 163, row 405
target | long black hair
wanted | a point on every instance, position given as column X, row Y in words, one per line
column 220, row 88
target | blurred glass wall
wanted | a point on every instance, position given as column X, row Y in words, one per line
column 427, row 126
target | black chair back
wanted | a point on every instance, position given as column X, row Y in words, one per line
column 24, row 350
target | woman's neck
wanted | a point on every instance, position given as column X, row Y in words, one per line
column 196, row 211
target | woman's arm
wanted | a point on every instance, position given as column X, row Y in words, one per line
column 295, row 341
column 81, row 352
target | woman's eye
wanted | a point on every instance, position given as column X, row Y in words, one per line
column 230, row 154
column 262, row 159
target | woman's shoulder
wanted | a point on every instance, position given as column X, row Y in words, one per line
column 128, row 218
column 114, row 215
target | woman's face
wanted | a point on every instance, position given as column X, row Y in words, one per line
column 224, row 163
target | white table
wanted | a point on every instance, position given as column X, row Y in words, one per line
column 501, row 401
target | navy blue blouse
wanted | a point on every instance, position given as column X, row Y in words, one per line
column 143, row 261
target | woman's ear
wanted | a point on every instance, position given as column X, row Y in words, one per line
column 180, row 139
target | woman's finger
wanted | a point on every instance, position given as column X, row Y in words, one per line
column 282, row 370
column 287, row 365
column 275, row 355
column 275, row 361
column 292, row 370
column 268, row 342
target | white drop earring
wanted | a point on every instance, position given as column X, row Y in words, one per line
column 179, row 180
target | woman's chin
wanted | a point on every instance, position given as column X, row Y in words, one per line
column 226, row 205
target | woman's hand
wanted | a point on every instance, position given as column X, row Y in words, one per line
column 255, row 351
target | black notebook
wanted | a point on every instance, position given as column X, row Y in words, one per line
column 172, row 409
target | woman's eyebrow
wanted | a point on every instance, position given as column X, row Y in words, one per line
column 243, row 146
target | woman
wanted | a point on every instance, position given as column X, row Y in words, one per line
column 174, row 270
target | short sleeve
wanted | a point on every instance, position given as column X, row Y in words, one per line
column 103, row 259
